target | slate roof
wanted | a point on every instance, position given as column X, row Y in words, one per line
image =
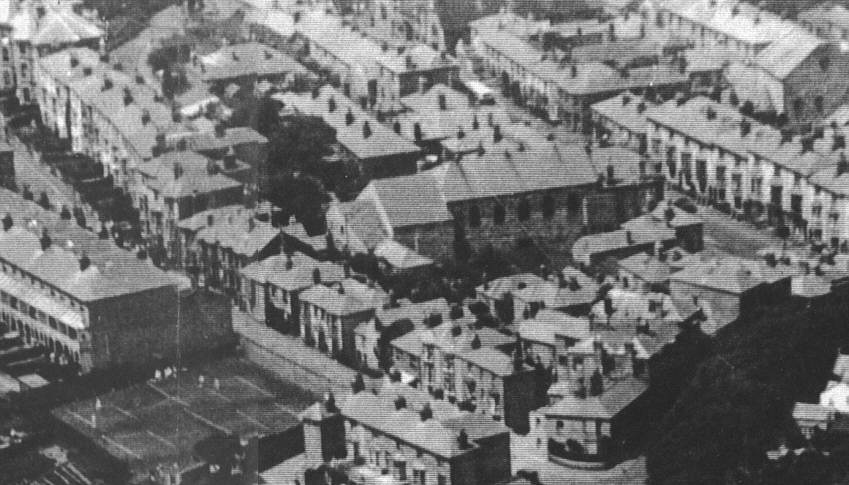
column 363, row 219
column 273, row 270
column 237, row 235
column 623, row 110
column 785, row 54
column 357, row 298
column 750, row 24
column 495, row 173
column 548, row 324
column 399, row 256
column 209, row 140
column 411, row 200
column 590, row 78
column 383, row 142
column 730, row 275
column 248, row 59
column 604, row 407
column 62, row 26
column 379, row 413
column 159, row 174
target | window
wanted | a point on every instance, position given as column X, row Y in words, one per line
column 52, row 322
column 441, row 480
column 474, row 216
column 798, row 105
column 824, row 63
column 818, row 103
column 548, row 206
column 26, row 95
column 72, row 333
column 22, row 48
column 6, row 54
column 559, row 425
column 24, row 69
column 573, row 203
column 498, row 214
column 524, row 210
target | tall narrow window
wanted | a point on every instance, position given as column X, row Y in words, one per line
column 474, row 216
column 548, row 206
column 524, row 210
column 498, row 214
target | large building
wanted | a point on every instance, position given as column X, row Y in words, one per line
column 102, row 112
column 80, row 297
column 379, row 151
column 217, row 243
column 35, row 29
column 798, row 78
column 561, row 87
column 402, row 435
column 752, row 169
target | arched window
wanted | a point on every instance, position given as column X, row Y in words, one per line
column 474, row 216
column 524, row 210
column 498, row 214
column 548, row 206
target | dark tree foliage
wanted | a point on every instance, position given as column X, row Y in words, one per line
column 738, row 403
column 299, row 195
column 298, row 144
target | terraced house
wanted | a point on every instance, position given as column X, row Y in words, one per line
column 103, row 113
column 560, row 87
column 81, row 298
column 763, row 173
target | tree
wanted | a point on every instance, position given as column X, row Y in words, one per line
column 303, row 196
column 298, row 143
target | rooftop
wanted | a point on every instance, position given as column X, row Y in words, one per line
column 732, row 275
column 276, row 270
column 248, row 59
column 503, row 172
column 240, row 232
column 738, row 20
column 436, row 437
column 345, row 298
column 113, row 271
column 381, row 141
column 547, row 325
column 605, row 406
column 400, row 257
column 184, row 174
column 409, row 200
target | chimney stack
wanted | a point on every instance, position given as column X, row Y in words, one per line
column 842, row 164
column 178, row 170
column 45, row 241
column 210, row 220
column 84, row 262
